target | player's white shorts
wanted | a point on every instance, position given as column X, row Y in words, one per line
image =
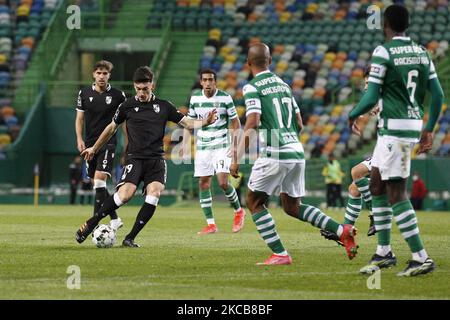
column 392, row 157
column 209, row 162
column 273, row 177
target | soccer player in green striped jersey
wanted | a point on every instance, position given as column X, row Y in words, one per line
column 401, row 72
column 213, row 155
column 280, row 167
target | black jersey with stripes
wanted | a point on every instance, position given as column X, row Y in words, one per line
column 146, row 124
column 99, row 109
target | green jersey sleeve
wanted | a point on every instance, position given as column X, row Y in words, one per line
column 231, row 109
column 191, row 113
column 252, row 100
column 432, row 73
column 378, row 65
column 295, row 105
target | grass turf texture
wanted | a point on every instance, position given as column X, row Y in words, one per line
column 37, row 245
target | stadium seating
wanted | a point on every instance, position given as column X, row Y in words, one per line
column 22, row 23
column 441, row 143
column 320, row 48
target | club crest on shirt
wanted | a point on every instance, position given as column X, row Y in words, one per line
column 156, row 108
column 108, row 99
column 91, row 98
column 136, row 109
column 216, row 105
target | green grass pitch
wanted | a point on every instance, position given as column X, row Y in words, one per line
column 37, row 246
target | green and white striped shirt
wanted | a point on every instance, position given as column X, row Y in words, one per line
column 403, row 69
column 268, row 95
column 214, row 136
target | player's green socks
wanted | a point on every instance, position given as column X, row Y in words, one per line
column 353, row 209
column 266, row 228
column 318, row 219
column 363, row 188
column 206, row 204
column 406, row 220
column 232, row 197
column 382, row 215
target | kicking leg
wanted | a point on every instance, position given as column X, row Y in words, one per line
column 294, row 208
column 112, row 203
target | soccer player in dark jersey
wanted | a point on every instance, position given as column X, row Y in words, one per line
column 96, row 107
column 146, row 117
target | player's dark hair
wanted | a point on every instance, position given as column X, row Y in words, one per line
column 397, row 17
column 208, row 71
column 143, row 74
column 103, row 64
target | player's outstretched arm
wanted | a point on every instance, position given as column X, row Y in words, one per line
column 109, row 131
column 437, row 98
column 184, row 150
column 367, row 102
column 197, row 124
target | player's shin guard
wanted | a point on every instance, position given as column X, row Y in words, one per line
column 363, row 187
column 406, row 220
column 101, row 194
column 232, row 197
column 266, row 228
column 353, row 210
column 382, row 215
column 206, row 204
column 144, row 215
column 318, row 219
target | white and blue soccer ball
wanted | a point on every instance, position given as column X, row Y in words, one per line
column 104, row 236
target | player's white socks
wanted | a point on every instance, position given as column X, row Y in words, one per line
column 420, row 256
column 117, row 200
column 383, row 250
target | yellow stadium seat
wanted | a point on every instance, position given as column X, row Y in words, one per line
column 5, row 139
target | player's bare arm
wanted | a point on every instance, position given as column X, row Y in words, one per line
column 367, row 103
column 197, row 124
column 298, row 116
column 251, row 124
column 437, row 99
column 109, row 131
column 235, row 127
column 79, row 123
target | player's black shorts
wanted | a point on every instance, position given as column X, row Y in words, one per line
column 146, row 170
column 103, row 161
